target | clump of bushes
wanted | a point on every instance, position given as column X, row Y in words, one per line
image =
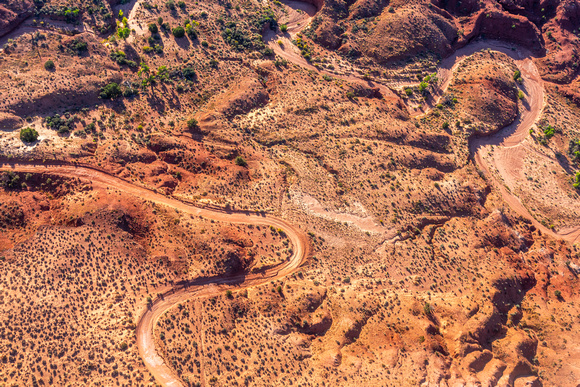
column 574, row 150
column 576, row 183
column 188, row 73
column 111, row 91
column 75, row 47
column 121, row 58
column 62, row 125
column 28, row 135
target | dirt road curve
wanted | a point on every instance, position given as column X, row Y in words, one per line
column 509, row 146
column 201, row 287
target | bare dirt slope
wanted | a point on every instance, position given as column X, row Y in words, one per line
column 289, row 193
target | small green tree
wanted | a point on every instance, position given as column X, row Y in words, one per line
column 153, row 28
column 178, row 32
column 28, row 135
column 192, row 123
column 283, row 27
column 49, row 65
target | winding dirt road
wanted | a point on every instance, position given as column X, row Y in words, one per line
column 508, row 140
column 508, row 143
column 196, row 288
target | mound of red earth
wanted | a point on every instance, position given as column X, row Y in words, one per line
column 486, row 92
column 13, row 12
column 387, row 32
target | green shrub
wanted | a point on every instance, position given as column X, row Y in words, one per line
column 110, row 91
column 192, row 123
column 77, row 46
column 49, row 65
column 62, row 125
column 121, row 59
column 191, row 32
column 241, row 162
column 178, row 32
column 283, row 27
column 188, row 73
column 28, row 135
column 153, row 28
column 576, row 183
column 549, row 131
column 123, row 32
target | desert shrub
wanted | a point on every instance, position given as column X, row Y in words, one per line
column 123, row 32
column 153, row 28
column 283, row 27
column 576, row 183
column 9, row 179
column 188, row 73
column 28, row 135
column 549, row 131
column 192, row 123
column 241, row 162
column 574, row 150
column 76, row 47
column 110, row 91
column 191, row 31
column 49, row 65
column 121, row 58
column 62, row 125
column 178, row 32
column 305, row 49
column 170, row 4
